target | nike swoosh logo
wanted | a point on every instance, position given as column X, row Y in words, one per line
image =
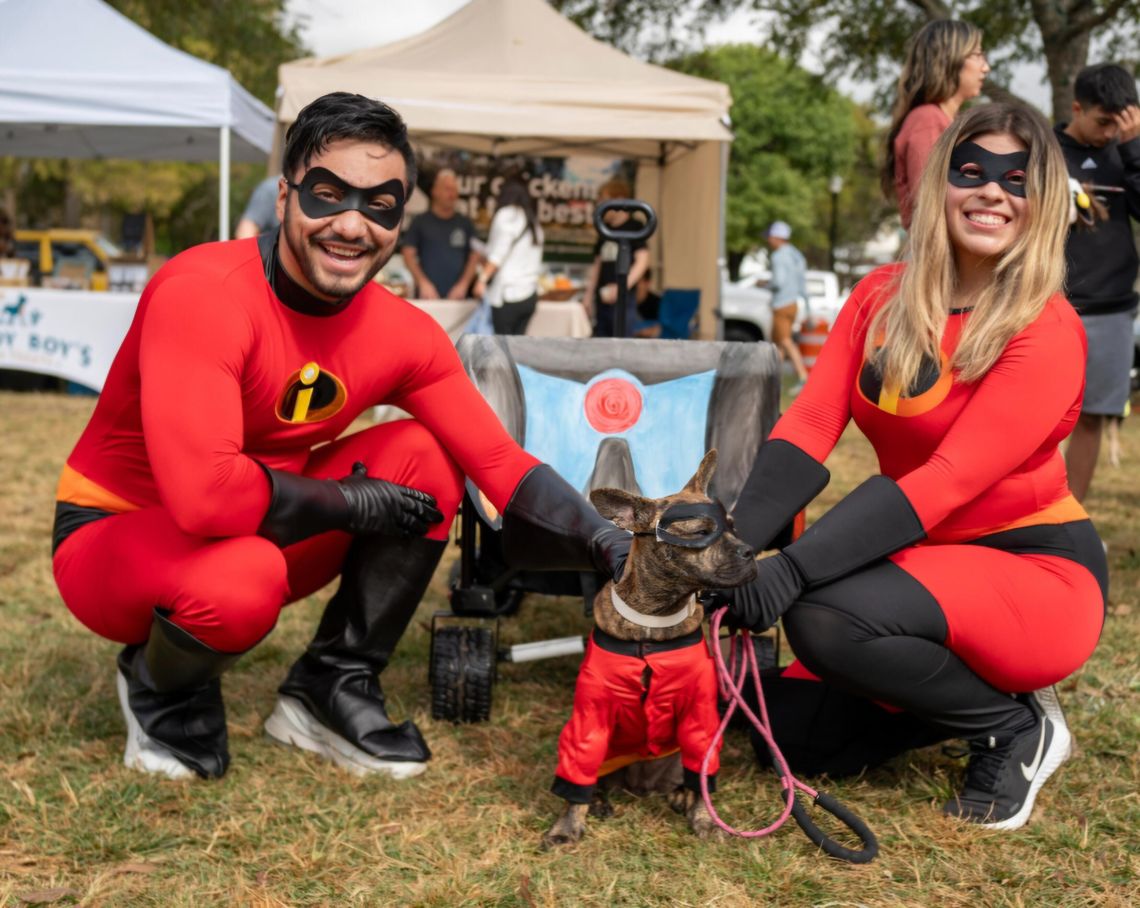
column 1031, row 770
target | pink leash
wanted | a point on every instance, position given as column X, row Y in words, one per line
column 732, row 691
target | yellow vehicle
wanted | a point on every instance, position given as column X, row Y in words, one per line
column 74, row 259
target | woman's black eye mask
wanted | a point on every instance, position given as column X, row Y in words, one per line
column 352, row 198
column 972, row 166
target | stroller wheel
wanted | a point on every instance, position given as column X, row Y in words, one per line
column 462, row 673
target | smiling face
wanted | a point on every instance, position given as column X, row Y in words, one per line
column 983, row 217
column 333, row 257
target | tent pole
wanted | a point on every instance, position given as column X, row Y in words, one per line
column 224, row 183
column 721, row 253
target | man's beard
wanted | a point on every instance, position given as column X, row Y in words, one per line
column 311, row 248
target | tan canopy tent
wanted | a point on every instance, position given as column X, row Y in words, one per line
column 515, row 77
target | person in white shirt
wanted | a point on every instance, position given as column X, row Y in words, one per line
column 509, row 278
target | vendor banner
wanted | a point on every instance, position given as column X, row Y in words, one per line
column 71, row 334
column 565, row 190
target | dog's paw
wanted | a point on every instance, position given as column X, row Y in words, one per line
column 600, row 807
column 703, row 825
column 568, row 829
column 682, row 799
column 557, row 838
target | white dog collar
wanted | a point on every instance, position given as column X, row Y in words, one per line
column 634, row 617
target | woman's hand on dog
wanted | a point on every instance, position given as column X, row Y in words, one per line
column 759, row 604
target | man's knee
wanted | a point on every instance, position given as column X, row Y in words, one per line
column 823, row 638
column 232, row 600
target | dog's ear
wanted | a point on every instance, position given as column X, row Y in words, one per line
column 701, row 479
column 628, row 511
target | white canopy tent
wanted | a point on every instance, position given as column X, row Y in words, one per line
column 80, row 80
column 515, row 77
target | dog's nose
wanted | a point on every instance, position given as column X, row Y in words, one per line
column 745, row 552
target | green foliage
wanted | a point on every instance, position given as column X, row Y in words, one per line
column 865, row 38
column 793, row 132
column 250, row 38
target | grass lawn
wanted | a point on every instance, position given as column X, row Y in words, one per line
column 285, row 829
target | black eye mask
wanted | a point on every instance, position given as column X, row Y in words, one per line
column 713, row 510
column 352, row 198
column 972, row 166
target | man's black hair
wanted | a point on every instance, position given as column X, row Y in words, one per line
column 1106, row 85
column 344, row 115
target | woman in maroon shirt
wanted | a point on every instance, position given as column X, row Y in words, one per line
column 944, row 67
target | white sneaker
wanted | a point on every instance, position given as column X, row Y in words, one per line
column 142, row 752
column 291, row 723
column 1050, row 704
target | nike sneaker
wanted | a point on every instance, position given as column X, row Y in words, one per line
column 1005, row 772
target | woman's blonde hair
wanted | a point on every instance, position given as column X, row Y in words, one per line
column 934, row 60
column 909, row 326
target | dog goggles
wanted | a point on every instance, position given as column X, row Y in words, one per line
column 711, row 514
column 972, row 166
column 322, row 194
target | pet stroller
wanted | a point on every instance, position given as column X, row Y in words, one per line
column 632, row 414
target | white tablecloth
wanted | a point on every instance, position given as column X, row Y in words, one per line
column 75, row 334
column 550, row 319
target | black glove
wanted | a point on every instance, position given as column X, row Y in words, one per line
column 759, row 604
column 379, row 506
column 783, row 481
column 301, row 507
column 548, row 525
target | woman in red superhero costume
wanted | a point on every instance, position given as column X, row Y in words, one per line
column 965, row 578
column 214, row 484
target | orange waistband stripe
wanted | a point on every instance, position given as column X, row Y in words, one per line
column 75, row 488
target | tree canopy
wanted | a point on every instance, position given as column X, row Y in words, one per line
column 865, row 38
column 793, row 133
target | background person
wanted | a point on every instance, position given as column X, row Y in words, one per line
column 437, row 246
column 788, row 286
column 260, row 213
column 509, row 277
column 1100, row 146
column 965, row 578
column 216, row 476
column 944, row 67
column 601, row 292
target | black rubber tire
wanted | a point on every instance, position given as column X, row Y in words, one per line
column 462, row 673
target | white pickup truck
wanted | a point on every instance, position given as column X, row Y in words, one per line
column 747, row 315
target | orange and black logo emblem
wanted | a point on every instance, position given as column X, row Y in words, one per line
column 928, row 390
column 311, row 395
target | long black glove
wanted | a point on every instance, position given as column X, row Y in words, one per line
column 548, row 525
column 875, row 520
column 782, row 482
column 301, row 507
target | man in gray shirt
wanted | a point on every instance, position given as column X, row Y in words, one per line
column 788, row 285
column 437, row 246
column 260, row 213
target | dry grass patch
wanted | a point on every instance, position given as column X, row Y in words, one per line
column 283, row 829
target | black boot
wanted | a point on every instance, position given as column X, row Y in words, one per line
column 171, row 695
column 331, row 702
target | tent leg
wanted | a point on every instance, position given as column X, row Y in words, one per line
column 224, row 183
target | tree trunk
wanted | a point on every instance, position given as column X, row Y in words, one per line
column 1064, row 61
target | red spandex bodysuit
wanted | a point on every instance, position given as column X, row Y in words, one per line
column 981, row 467
column 205, row 384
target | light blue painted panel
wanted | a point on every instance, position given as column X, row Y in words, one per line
column 667, row 442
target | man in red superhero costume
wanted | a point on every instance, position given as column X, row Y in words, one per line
column 214, row 484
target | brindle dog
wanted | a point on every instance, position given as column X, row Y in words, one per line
column 659, row 579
